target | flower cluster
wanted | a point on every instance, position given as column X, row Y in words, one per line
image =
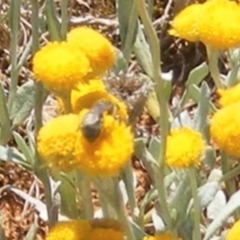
column 204, row 22
column 61, row 65
column 184, row 148
column 87, row 230
column 94, row 137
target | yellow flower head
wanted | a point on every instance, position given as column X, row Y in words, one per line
column 234, row 232
column 229, row 96
column 104, row 229
column 219, row 24
column 225, row 129
column 59, row 67
column 56, row 142
column 185, row 24
column 109, row 152
column 97, row 48
column 184, row 148
column 72, row 230
column 207, row 23
column 164, row 236
column 86, row 95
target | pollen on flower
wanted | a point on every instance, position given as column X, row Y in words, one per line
column 86, row 95
column 56, row 142
column 225, row 129
column 234, row 232
column 185, row 24
column 97, row 48
column 229, row 96
column 109, row 153
column 72, row 230
column 185, row 147
column 59, row 67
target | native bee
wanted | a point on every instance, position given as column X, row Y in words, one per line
column 91, row 124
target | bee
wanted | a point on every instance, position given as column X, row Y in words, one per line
column 91, row 124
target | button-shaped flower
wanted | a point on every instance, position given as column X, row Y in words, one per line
column 56, row 142
column 109, row 152
column 85, row 95
column 185, row 147
column 225, row 129
column 96, row 47
column 229, row 96
column 72, row 230
column 206, row 22
column 59, row 66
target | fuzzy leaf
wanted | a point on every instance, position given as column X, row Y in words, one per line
column 228, row 210
column 23, row 103
column 4, row 118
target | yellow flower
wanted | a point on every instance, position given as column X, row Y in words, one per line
column 104, row 229
column 225, row 129
column 234, row 232
column 59, row 67
column 97, row 48
column 164, row 236
column 185, row 24
column 72, row 230
column 184, row 148
column 86, row 95
column 207, row 23
column 229, row 96
column 109, row 152
column 56, row 142
column 215, row 30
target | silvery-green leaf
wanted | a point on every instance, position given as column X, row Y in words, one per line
column 183, row 119
column 197, row 74
column 158, row 223
column 4, row 118
column 142, row 52
column 216, row 205
column 31, row 235
column 227, row 211
column 123, row 192
column 120, row 63
column 215, row 175
column 154, row 146
column 23, row 147
column 167, row 76
column 13, row 155
column 209, row 157
column 207, row 192
column 145, row 156
column 23, row 103
column 202, row 109
column 98, row 213
column 128, row 25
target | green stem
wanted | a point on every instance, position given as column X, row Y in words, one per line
column 14, row 25
column 230, row 184
column 66, row 98
column 196, row 206
column 85, row 190
column 64, row 18
column 163, row 105
column 128, row 181
column 213, row 55
column 120, row 210
column 231, row 174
